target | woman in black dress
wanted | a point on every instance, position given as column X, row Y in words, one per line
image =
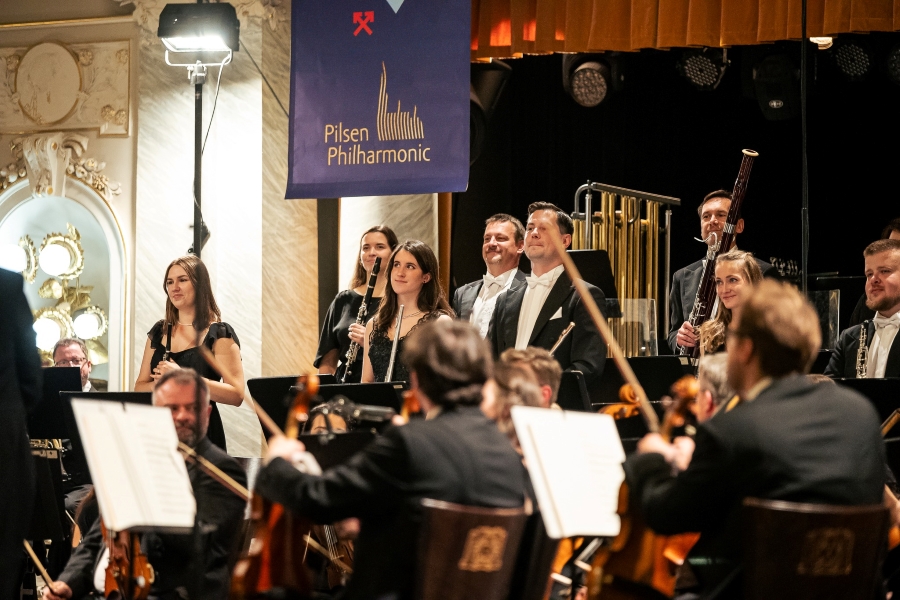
column 340, row 327
column 412, row 272
column 193, row 318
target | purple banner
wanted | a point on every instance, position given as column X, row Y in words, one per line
column 379, row 97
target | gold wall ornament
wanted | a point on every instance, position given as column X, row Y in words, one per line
column 97, row 352
column 31, row 265
column 51, row 289
column 484, row 549
column 90, row 323
column 51, row 324
column 56, row 243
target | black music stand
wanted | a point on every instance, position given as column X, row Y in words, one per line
column 46, row 420
column 821, row 361
column 48, row 521
column 595, row 268
column 573, row 394
column 656, row 374
column 331, row 450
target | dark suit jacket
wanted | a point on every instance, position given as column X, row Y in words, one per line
column 685, row 284
column 583, row 349
column 20, row 390
column 200, row 562
column 459, row 456
column 464, row 296
column 843, row 358
column 773, row 447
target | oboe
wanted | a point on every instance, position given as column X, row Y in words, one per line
column 862, row 353
column 165, row 355
column 390, row 369
column 360, row 319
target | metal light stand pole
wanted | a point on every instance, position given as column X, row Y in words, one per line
column 197, row 75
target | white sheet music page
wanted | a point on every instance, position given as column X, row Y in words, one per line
column 140, row 479
column 575, row 463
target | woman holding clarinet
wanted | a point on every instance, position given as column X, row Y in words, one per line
column 344, row 326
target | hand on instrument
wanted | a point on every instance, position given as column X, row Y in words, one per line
column 687, row 337
column 357, row 333
column 347, row 529
column 653, row 442
column 58, row 590
column 282, row 447
column 684, row 451
column 162, row 368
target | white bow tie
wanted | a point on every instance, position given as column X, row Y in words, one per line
column 544, row 280
column 490, row 279
column 882, row 322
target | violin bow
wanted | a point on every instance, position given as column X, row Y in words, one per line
column 37, row 563
column 214, row 471
column 618, row 356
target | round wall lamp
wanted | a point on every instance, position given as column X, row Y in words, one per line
column 90, row 323
column 51, row 325
column 62, row 255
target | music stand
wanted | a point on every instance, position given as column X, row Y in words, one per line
column 573, row 394
column 884, row 394
column 46, row 420
column 821, row 361
column 332, row 450
column 656, row 375
column 595, row 268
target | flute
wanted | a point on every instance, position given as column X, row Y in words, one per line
column 360, row 319
column 390, row 369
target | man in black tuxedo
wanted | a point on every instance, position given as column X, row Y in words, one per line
column 20, row 390
column 883, row 297
column 713, row 211
column 788, row 439
column 536, row 312
column 504, row 241
column 861, row 312
column 455, row 454
column 198, row 564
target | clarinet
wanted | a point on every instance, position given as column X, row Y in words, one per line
column 862, row 353
column 390, row 369
column 706, row 293
column 361, row 319
column 166, row 354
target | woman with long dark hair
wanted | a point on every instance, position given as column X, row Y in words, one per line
column 412, row 274
column 193, row 318
column 339, row 328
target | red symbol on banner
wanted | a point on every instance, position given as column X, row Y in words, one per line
column 363, row 19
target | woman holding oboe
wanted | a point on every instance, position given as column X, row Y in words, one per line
column 412, row 271
column 343, row 325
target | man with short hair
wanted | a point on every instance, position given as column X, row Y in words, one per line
column 455, row 454
column 861, row 312
column 504, row 241
column 712, row 383
column 539, row 361
column 197, row 565
column 713, row 211
column 882, row 296
column 72, row 352
column 536, row 313
column 771, row 446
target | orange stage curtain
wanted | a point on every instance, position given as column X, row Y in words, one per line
column 503, row 28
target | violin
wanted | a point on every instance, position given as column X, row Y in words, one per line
column 274, row 561
column 129, row 574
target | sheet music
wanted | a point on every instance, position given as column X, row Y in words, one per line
column 575, row 463
column 140, row 479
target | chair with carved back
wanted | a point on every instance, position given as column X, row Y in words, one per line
column 815, row 551
column 467, row 552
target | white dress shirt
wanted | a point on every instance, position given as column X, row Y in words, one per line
column 483, row 309
column 885, row 332
column 535, row 296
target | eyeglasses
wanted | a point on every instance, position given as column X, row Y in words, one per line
column 75, row 362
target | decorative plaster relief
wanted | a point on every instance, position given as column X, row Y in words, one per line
column 56, row 86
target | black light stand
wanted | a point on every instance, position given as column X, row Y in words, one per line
column 197, row 74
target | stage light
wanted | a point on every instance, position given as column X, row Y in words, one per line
column 199, row 28
column 853, row 58
column 588, row 78
column 703, row 68
column 824, row 43
column 893, row 64
column 776, row 81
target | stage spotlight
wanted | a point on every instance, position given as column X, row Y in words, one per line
column 893, row 64
column 487, row 82
column 588, row 78
column 853, row 58
column 704, row 68
column 199, row 27
column 777, row 83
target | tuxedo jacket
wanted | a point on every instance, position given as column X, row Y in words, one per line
column 842, row 363
column 771, row 447
column 20, row 390
column 464, row 296
column 583, row 349
column 459, row 456
column 200, row 562
column 685, row 284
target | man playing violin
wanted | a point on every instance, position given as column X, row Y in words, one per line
column 455, row 454
column 769, row 446
column 197, row 564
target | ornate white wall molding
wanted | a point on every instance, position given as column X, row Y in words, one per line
column 52, row 86
column 48, row 159
column 272, row 12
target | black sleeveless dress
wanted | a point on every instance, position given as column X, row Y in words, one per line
column 380, row 346
column 191, row 359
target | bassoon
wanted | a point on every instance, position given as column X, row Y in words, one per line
column 706, row 293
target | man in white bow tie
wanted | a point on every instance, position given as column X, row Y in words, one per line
column 504, row 241
column 535, row 314
column 882, row 296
